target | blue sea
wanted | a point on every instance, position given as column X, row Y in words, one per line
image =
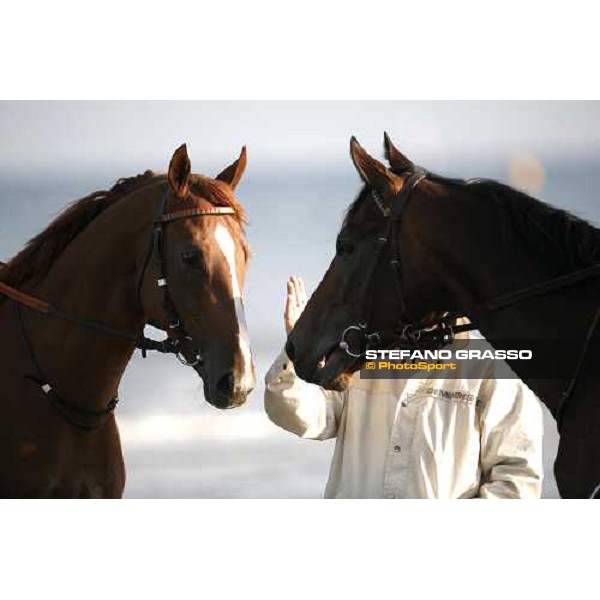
column 175, row 444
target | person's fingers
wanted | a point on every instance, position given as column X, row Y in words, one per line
column 299, row 285
column 292, row 304
column 297, row 292
column 303, row 295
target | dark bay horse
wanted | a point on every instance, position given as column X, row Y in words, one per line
column 166, row 250
column 415, row 245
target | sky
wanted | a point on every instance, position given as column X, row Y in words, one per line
column 57, row 136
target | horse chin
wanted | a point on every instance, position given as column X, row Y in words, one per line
column 224, row 401
column 227, row 403
column 336, row 370
column 339, row 384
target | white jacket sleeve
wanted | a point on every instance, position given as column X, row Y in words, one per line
column 302, row 408
column 511, row 428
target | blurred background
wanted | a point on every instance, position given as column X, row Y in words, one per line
column 298, row 183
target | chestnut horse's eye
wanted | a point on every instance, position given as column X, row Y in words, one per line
column 344, row 246
column 192, row 258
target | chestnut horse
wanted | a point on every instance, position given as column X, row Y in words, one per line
column 166, row 250
column 415, row 245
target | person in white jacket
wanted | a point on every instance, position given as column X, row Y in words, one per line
column 472, row 436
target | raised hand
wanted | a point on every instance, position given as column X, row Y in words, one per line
column 295, row 301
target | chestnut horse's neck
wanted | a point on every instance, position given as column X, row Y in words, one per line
column 95, row 277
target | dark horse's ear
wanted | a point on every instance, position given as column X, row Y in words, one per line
column 179, row 172
column 233, row 173
column 397, row 160
column 372, row 172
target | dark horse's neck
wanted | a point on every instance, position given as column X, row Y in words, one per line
column 469, row 250
column 95, row 277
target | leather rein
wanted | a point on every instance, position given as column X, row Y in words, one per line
column 176, row 332
column 439, row 332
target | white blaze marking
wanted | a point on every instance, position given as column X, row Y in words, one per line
column 227, row 246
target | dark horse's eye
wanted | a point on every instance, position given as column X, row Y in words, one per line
column 344, row 246
column 192, row 258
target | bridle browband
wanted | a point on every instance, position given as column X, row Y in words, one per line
column 441, row 331
column 176, row 332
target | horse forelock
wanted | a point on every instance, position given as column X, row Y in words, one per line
column 218, row 193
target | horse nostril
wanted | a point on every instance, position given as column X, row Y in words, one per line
column 225, row 384
column 289, row 350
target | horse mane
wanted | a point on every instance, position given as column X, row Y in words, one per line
column 556, row 232
column 564, row 239
column 33, row 262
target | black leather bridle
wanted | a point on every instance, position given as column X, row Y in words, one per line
column 441, row 331
column 434, row 333
column 176, row 332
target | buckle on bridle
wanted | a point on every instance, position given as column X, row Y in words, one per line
column 410, row 333
column 181, row 358
column 184, row 361
column 447, row 331
column 373, row 338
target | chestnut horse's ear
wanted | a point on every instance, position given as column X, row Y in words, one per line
column 179, row 172
column 372, row 172
column 397, row 160
column 233, row 173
